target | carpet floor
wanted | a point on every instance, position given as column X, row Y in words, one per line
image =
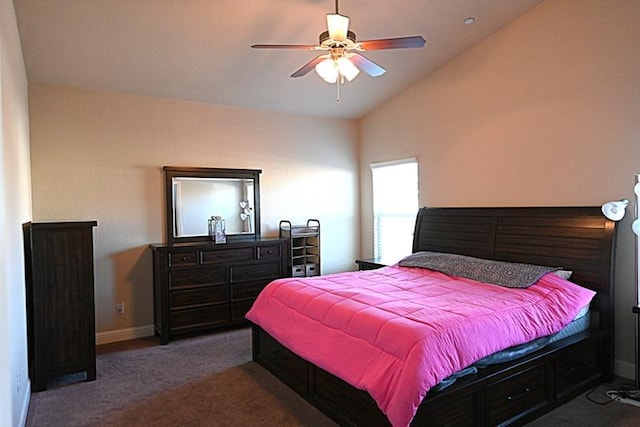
column 210, row 380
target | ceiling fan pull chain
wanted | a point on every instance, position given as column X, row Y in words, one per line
column 338, row 91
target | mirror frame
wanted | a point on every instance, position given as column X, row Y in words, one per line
column 171, row 172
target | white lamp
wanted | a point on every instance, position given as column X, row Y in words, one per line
column 615, row 210
column 346, row 68
column 338, row 26
column 636, row 223
column 328, row 70
column 332, row 68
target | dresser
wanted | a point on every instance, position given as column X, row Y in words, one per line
column 60, row 300
column 201, row 286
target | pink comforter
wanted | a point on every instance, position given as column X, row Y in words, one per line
column 398, row 331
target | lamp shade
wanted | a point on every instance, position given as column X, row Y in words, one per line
column 338, row 26
column 615, row 210
column 347, row 68
column 328, row 70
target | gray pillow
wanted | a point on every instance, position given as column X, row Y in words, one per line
column 565, row 274
column 508, row 274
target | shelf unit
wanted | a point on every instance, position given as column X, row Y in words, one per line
column 304, row 247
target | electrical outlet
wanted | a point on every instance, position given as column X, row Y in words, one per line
column 120, row 307
column 19, row 383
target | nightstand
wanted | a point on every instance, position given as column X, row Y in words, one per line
column 370, row 263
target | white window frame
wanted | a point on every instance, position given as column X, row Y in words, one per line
column 394, row 210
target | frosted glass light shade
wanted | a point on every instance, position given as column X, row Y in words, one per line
column 635, row 226
column 328, row 70
column 347, row 68
column 338, row 26
column 615, row 210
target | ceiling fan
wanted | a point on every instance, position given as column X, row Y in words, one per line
column 342, row 59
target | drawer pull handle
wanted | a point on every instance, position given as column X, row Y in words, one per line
column 184, row 258
column 526, row 391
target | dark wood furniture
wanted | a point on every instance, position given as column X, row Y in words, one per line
column 60, row 305
column 578, row 239
column 228, row 187
column 202, row 286
column 370, row 264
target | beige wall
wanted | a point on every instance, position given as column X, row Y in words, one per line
column 100, row 155
column 15, row 209
column 544, row 112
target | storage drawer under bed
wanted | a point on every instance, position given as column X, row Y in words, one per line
column 288, row 366
column 515, row 396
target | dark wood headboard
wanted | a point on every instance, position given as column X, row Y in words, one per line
column 574, row 238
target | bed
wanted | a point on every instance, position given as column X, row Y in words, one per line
column 509, row 393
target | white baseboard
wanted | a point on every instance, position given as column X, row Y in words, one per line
column 624, row 369
column 124, row 334
column 26, row 399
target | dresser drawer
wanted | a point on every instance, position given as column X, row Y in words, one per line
column 195, row 318
column 513, row 397
column 576, row 368
column 202, row 296
column 201, row 287
column 269, row 253
column 243, row 273
column 227, row 255
column 243, row 291
column 182, row 259
column 197, row 277
column 240, row 309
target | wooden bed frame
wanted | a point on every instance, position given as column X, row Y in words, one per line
column 579, row 239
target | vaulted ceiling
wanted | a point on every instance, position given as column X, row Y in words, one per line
column 199, row 50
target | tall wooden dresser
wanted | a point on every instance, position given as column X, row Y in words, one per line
column 201, row 286
column 60, row 300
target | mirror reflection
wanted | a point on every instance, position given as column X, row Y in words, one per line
column 197, row 199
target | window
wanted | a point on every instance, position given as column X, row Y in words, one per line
column 395, row 206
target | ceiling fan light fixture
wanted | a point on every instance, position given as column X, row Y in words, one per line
column 338, row 26
column 346, row 68
column 327, row 70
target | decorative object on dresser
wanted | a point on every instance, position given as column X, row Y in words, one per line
column 60, row 300
column 510, row 392
column 201, row 283
column 304, row 247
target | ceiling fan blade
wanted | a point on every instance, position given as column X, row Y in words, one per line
column 285, row 46
column 309, row 66
column 367, row 65
column 395, row 43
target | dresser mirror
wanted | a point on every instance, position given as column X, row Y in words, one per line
column 194, row 195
